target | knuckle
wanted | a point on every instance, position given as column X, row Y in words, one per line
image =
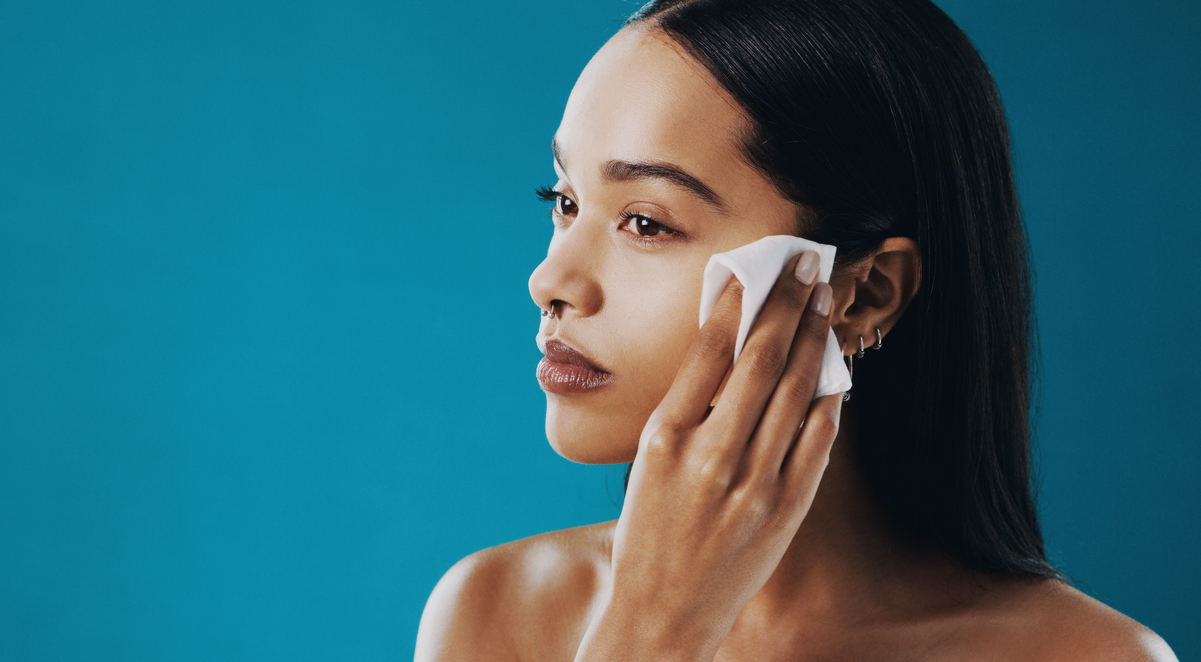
column 815, row 328
column 715, row 474
column 660, row 441
column 797, row 297
column 822, row 425
column 796, row 395
column 714, row 344
column 753, row 501
column 767, row 362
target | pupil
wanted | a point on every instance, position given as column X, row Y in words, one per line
column 644, row 224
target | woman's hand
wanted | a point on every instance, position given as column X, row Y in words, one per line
column 716, row 494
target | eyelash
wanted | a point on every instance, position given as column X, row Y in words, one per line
column 548, row 194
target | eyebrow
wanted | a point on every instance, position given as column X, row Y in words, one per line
column 624, row 171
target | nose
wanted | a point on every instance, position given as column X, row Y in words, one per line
column 566, row 280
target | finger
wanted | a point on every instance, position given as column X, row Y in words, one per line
column 791, row 400
column 706, row 364
column 807, row 459
column 763, row 359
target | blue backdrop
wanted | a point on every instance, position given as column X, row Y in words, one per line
column 266, row 347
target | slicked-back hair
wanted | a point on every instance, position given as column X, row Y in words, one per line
column 879, row 118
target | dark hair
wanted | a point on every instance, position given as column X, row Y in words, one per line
column 880, row 119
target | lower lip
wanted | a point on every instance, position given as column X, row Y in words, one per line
column 566, row 378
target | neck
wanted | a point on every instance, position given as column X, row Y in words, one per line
column 847, row 560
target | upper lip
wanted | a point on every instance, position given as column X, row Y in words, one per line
column 560, row 352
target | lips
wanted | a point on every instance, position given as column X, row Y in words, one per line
column 561, row 352
column 568, row 371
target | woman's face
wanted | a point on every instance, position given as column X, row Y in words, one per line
column 651, row 182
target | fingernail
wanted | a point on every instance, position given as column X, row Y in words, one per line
column 806, row 267
column 819, row 301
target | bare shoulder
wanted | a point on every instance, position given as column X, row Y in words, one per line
column 1062, row 623
column 528, row 599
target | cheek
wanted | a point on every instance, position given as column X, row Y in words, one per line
column 649, row 331
column 657, row 342
column 654, row 335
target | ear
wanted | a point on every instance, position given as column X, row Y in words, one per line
column 875, row 293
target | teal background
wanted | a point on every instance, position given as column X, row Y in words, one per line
column 266, row 346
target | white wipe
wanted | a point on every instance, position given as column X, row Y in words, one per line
column 757, row 266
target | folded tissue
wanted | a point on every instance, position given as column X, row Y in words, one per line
column 757, row 266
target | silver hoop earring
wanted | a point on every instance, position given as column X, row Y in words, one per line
column 851, row 370
column 860, row 346
column 879, row 339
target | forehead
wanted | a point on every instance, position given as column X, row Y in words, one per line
column 642, row 98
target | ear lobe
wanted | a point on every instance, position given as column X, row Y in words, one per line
column 884, row 285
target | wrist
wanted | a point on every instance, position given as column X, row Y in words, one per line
column 623, row 631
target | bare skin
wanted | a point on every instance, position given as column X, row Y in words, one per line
column 739, row 538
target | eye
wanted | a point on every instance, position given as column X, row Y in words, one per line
column 645, row 227
column 564, row 206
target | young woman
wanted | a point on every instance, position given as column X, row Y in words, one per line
column 897, row 525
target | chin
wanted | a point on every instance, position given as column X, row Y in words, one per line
column 588, row 438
